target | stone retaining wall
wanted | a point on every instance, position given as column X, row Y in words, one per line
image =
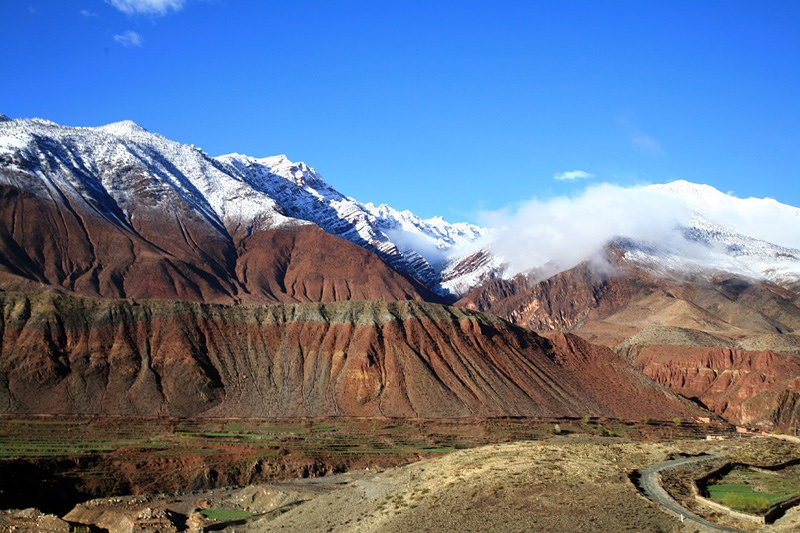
column 759, row 519
column 778, row 510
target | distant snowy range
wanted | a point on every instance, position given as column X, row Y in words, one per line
column 674, row 228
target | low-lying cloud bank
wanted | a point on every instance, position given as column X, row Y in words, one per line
column 558, row 234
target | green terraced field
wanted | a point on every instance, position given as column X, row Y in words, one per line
column 753, row 492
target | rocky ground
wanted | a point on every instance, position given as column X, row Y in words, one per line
column 573, row 483
column 562, row 484
column 565, row 483
column 569, row 482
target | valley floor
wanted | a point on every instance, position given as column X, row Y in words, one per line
column 573, row 483
column 578, row 480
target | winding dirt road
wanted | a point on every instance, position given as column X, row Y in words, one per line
column 650, row 485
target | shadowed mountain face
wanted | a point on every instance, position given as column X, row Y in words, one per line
column 723, row 341
column 73, row 355
column 59, row 245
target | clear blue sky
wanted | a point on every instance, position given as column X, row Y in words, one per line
column 444, row 108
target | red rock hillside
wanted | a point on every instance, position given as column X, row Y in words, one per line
column 58, row 246
column 747, row 388
column 75, row 355
column 724, row 341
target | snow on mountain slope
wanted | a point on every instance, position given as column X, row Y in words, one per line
column 706, row 248
column 408, row 243
column 725, row 234
column 121, row 167
column 675, row 228
column 121, row 171
column 761, row 218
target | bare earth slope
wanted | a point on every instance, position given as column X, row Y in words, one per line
column 59, row 245
column 724, row 341
column 558, row 485
column 608, row 305
column 74, row 355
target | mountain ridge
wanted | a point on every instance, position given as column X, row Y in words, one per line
column 243, row 194
column 234, row 192
column 119, row 212
column 69, row 354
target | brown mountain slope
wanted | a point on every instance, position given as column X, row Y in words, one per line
column 58, row 245
column 674, row 330
column 560, row 303
column 306, row 264
column 75, row 355
column 747, row 388
column 609, row 305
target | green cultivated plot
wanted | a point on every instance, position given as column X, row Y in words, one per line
column 753, row 492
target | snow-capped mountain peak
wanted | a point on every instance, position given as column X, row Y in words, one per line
column 121, row 168
column 761, row 218
column 674, row 228
column 123, row 128
column 725, row 234
column 121, row 171
column 411, row 245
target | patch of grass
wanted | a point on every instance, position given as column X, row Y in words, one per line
column 743, row 498
column 752, row 492
column 437, row 450
column 225, row 515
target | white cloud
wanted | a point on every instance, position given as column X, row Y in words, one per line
column 88, row 14
column 547, row 237
column 762, row 218
column 129, row 38
column 647, row 144
column 555, row 235
column 147, row 7
column 573, row 175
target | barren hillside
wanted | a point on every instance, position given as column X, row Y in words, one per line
column 74, row 355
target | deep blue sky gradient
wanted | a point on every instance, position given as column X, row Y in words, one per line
column 444, row 108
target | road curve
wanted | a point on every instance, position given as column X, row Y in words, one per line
column 650, row 484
